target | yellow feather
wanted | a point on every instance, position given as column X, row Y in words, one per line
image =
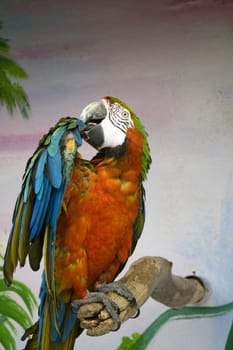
column 50, row 283
column 15, row 235
column 24, row 241
column 46, row 342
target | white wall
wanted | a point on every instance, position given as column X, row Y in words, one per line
column 176, row 71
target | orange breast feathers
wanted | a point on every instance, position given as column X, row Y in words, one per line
column 95, row 227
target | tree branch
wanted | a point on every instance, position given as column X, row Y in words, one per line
column 148, row 276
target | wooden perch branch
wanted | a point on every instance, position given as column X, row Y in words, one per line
column 148, row 276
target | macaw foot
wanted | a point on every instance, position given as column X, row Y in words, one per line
column 119, row 288
column 100, row 297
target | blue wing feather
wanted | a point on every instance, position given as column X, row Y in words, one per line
column 55, row 139
column 35, row 217
column 40, row 191
column 25, row 192
column 54, row 207
column 39, row 178
column 55, row 169
column 77, row 137
column 44, row 182
column 65, row 319
column 39, row 211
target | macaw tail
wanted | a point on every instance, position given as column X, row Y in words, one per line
column 57, row 327
column 44, row 336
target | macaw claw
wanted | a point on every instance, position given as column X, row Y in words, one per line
column 100, row 297
column 119, row 288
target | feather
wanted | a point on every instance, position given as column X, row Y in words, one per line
column 39, row 211
column 54, row 169
column 39, row 201
column 24, row 234
column 65, row 319
column 25, row 189
column 39, row 178
column 77, row 137
column 140, row 219
column 31, row 162
column 15, row 233
column 35, row 252
column 55, row 139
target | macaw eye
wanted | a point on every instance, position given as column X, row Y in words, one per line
column 126, row 114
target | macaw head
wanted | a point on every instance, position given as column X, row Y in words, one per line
column 107, row 122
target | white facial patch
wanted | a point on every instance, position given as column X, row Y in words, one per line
column 115, row 125
column 120, row 117
column 113, row 136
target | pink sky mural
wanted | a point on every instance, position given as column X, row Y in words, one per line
column 172, row 62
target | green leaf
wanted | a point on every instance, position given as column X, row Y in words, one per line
column 127, row 342
column 12, row 94
column 11, row 309
column 21, row 100
column 12, row 68
column 7, row 93
column 7, row 323
column 6, row 338
column 1, row 256
column 229, row 343
column 3, row 318
column 23, row 291
column 10, row 326
column 185, row 313
column 4, row 46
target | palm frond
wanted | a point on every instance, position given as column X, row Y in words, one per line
column 7, row 338
column 12, row 68
column 22, row 100
column 12, row 312
column 11, row 309
column 12, row 94
column 4, row 46
column 23, row 291
column 8, row 324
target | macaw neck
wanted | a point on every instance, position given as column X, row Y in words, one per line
column 110, row 152
column 127, row 156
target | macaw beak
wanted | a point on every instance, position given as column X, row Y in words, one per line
column 92, row 115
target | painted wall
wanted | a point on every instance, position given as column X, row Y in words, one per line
column 172, row 62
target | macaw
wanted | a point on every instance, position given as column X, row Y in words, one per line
column 84, row 217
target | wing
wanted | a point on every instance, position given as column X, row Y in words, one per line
column 38, row 204
column 140, row 220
